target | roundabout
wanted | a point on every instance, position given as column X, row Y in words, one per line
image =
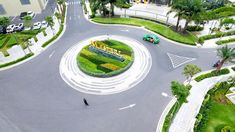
column 134, row 71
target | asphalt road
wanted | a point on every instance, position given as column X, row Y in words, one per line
column 34, row 98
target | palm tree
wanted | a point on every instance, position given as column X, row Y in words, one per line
column 50, row 22
column 191, row 11
column 27, row 21
column 177, row 6
column 226, row 54
column 61, row 4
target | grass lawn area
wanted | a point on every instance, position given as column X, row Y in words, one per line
column 217, row 111
column 153, row 26
column 220, row 115
column 9, row 40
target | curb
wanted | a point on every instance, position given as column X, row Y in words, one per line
column 164, row 113
column 35, row 55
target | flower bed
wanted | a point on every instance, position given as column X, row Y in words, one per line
column 102, row 65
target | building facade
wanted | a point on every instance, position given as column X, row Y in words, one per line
column 15, row 7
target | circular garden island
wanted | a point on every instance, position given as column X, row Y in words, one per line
column 105, row 58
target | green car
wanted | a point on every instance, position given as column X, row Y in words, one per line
column 151, row 38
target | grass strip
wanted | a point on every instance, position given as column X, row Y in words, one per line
column 163, row 30
column 212, row 74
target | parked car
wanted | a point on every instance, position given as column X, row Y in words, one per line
column 22, row 15
column 37, row 25
column 151, row 38
column 44, row 24
column 27, row 28
column 10, row 28
column 30, row 13
column 2, row 30
column 19, row 27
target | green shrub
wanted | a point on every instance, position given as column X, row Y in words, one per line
column 227, row 129
column 194, row 28
column 233, row 68
column 16, row 61
column 217, row 35
column 212, row 74
column 220, row 42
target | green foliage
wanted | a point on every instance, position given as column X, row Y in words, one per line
column 16, row 61
column 101, row 66
column 227, row 21
column 50, row 21
column 190, row 70
column 220, row 42
column 228, row 129
column 155, row 27
column 180, row 90
column 233, row 68
column 218, row 13
column 212, row 74
column 226, row 54
column 4, row 21
column 194, row 28
column 27, row 21
column 217, row 35
column 217, row 111
column 84, row 6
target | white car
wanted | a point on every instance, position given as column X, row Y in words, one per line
column 30, row 13
column 37, row 25
column 10, row 28
column 44, row 24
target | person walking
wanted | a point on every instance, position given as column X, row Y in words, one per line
column 85, row 102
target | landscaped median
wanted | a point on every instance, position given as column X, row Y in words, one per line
column 163, row 30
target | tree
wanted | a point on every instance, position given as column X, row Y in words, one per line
column 191, row 11
column 61, row 4
column 180, row 90
column 177, row 6
column 4, row 21
column 27, row 21
column 226, row 54
column 50, row 21
column 190, row 70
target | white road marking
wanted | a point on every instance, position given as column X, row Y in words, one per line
column 13, row 18
column 51, row 54
column 126, row 107
column 70, row 18
column 125, row 30
column 164, row 94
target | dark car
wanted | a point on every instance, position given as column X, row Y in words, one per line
column 23, row 14
column 2, row 30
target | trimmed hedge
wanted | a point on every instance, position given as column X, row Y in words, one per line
column 217, row 35
column 212, row 74
column 194, row 28
column 220, row 42
column 16, row 61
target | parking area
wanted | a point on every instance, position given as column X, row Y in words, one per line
column 48, row 11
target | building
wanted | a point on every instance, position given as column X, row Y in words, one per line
column 15, row 7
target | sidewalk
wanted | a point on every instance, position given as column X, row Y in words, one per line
column 185, row 118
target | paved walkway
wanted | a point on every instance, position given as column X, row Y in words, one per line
column 185, row 119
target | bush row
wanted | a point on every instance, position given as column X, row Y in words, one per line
column 212, row 74
column 16, row 61
column 220, row 42
column 194, row 28
column 217, row 35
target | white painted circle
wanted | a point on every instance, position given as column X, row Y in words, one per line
column 82, row 82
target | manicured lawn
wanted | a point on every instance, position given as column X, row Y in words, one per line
column 98, row 64
column 219, row 116
column 217, row 110
column 153, row 26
